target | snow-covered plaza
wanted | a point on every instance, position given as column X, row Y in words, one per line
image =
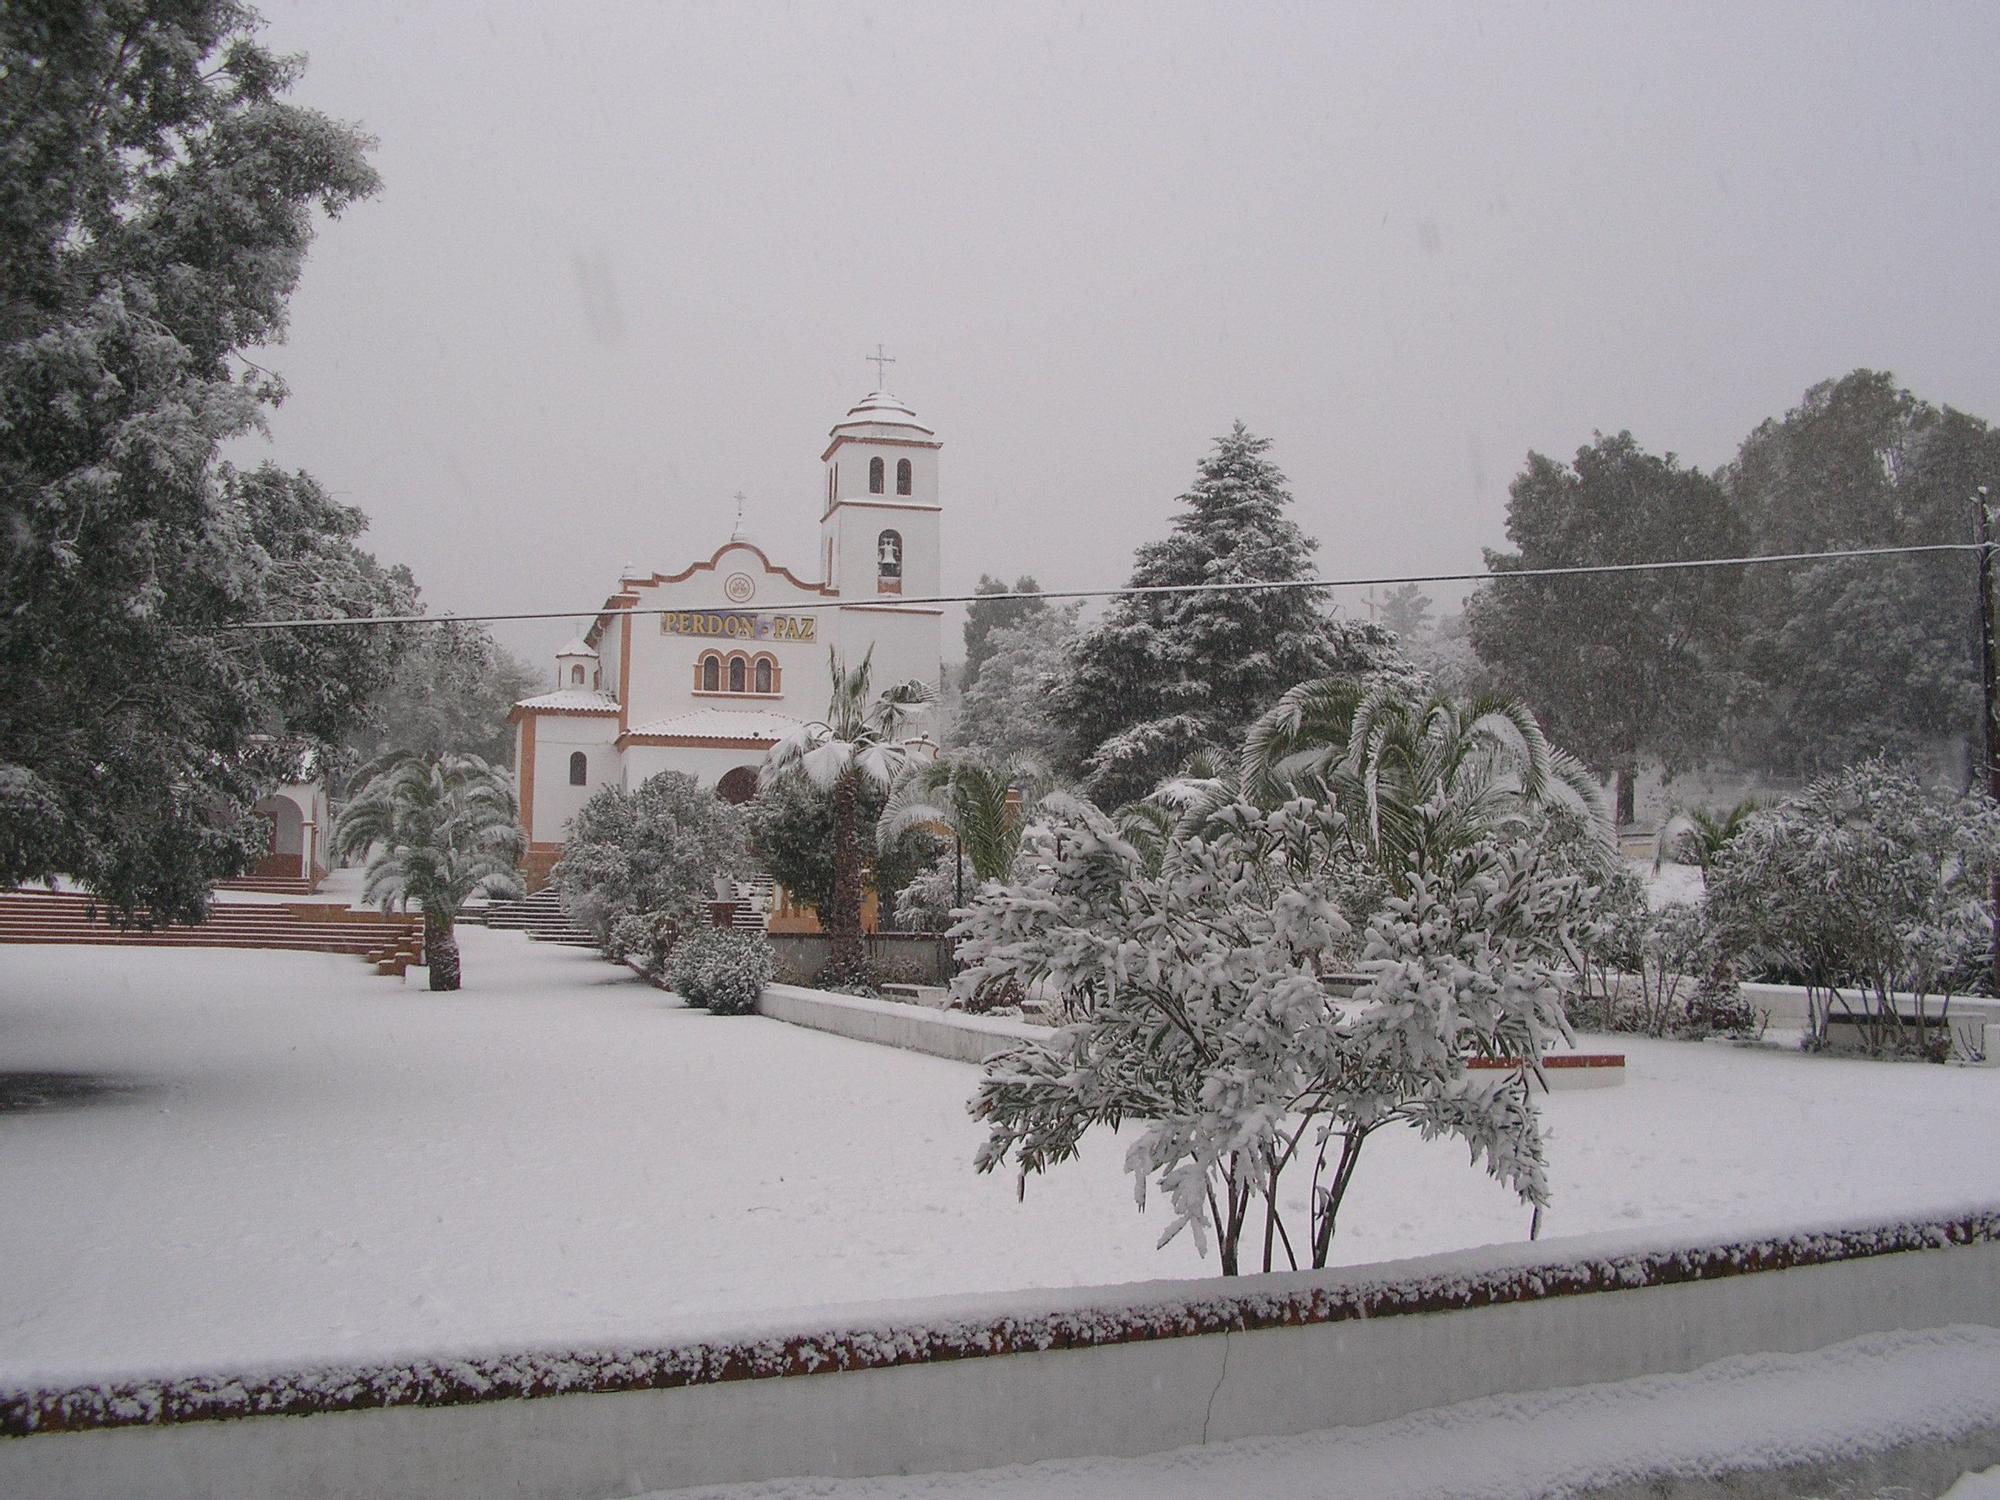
column 225, row 1160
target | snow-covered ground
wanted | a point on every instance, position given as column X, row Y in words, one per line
column 293, row 1160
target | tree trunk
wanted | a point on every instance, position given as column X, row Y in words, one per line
column 849, row 960
column 441, row 951
column 1628, row 788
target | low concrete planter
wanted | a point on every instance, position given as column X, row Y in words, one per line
column 892, row 1023
column 973, row 1382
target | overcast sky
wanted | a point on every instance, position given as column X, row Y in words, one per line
column 628, row 260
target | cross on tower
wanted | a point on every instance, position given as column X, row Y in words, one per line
column 879, row 359
column 738, row 532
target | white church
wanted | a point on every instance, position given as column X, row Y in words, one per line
column 737, row 653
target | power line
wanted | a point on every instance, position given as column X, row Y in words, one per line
column 1245, row 586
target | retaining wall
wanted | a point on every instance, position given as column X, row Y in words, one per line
column 805, row 953
column 976, row 1382
column 915, row 1028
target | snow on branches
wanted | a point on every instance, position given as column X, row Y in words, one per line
column 1198, row 1004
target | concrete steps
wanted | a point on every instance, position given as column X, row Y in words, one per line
column 270, row 885
column 389, row 943
column 541, row 917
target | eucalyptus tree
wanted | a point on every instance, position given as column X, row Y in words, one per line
column 1619, row 665
column 862, row 740
column 157, row 195
column 437, row 830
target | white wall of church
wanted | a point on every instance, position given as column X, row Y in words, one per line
column 557, row 737
column 706, row 765
column 906, row 646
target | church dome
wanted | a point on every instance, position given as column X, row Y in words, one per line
column 880, row 409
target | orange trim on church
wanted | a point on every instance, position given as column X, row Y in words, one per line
column 528, row 776
column 691, row 569
column 692, row 742
column 624, row 673
column 887, row 442
column 928, row 507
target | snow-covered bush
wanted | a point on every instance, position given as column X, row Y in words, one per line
column 1661, row 952
column 644, row 940
column 927, row 902
column 1196, row 1009
column 1716, row 1005
column 657, row 850
column 724, row 969
column 1863, row 885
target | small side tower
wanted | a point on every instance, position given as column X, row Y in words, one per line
column 577, row 666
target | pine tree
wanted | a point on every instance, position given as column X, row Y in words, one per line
column 1165, row 675
column 986, row 615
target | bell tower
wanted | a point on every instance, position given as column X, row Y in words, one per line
column 879, row 528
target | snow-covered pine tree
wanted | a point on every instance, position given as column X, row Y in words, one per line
column 1164, row 675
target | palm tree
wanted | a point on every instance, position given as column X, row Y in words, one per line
column 861, row 739
column 1700, row 836
column 1418, row 779
column 977, row 797
column 443, row 828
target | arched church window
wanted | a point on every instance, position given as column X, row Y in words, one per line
column 874, row 476
column 737, row 670
column 889, row 555
column 579, row 768
column 576, row 676
column 711, row 673
column 902, row 476
column 764, row 679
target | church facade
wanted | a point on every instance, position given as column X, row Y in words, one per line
column 732, row 650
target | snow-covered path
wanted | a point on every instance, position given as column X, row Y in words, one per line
column 302, row 1162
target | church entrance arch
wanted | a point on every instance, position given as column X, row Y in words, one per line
column 284, row 854
column 739, row 785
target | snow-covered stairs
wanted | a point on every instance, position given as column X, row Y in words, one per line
column 390, row 943
column 754, row 900
column 541, row 917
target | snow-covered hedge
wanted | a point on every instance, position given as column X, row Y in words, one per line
column 999, row 1324
column 722, row 968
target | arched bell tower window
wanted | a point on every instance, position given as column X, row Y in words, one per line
column 902, row 476
column 889, row 562
column 579, row 768
column 738, row 674
column 874, row 476
column 576, row 675
column 711, row 674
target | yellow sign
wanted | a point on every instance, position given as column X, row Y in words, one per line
column 739, row 625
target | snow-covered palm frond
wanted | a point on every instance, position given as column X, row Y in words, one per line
column 978, row 798
column 437, row 831
column 826, row 762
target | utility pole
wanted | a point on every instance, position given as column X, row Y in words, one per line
column 1990, row 739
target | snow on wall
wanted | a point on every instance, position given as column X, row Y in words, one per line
column 951, row 1330
column 914, row 1028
